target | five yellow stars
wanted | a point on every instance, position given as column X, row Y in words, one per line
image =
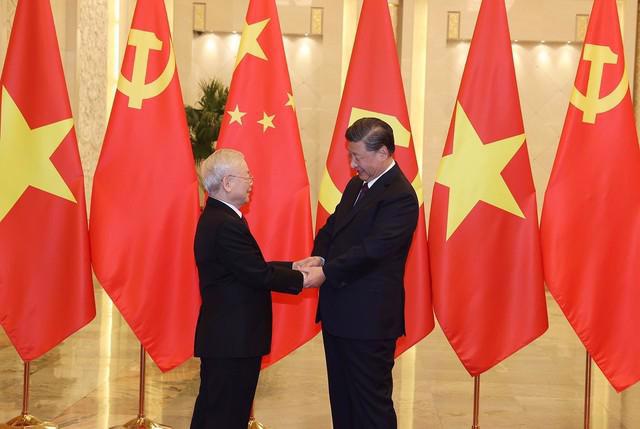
column 473, row 172
column 266, row 121
column 249, row 42
column 24, row 156
column 236, row 115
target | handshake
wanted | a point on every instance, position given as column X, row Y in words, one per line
column 311, row 269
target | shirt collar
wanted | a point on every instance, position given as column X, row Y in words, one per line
column 234, row 208
column 372, row 181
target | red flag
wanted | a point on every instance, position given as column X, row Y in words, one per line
column 591, row 217
column 486, row 266
column 260, row 121
column 144, row 207
column 46, row 292
column 374, row 89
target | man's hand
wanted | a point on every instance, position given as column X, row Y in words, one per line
column 311, row 261
column 313, row 277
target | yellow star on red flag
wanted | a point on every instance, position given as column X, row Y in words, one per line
column 249, row 42
column 291, row 102
column 25, row 154
column 473, row 172
column 266, row 121
column 236, row 115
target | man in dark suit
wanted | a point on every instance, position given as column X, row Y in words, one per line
column 234, row 325
column 360, row 253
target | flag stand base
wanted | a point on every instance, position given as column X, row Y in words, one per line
column 254, row 424
column 27, row 421
column 141, row 423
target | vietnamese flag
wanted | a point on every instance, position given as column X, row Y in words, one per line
column 373, row 88
column 144, row 206
column 46, row 291
column 260, row 121
column 486, row 266
column 591, row 217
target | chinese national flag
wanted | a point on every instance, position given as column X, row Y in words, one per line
column 144, row 206
column 260, row 121
column 486, row 266
column 591, row 216
column 46, row 292
column 373, row 88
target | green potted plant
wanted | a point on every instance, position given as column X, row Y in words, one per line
column 205, row 118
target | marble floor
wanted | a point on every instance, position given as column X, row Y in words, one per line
column 91, row 381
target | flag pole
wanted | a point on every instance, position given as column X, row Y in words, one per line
column 25, row 419
column 141, row 422
column 476, row 402
column 587, row 392
column 253, row 423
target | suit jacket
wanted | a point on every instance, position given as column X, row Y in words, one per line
column 365, row 249
column 235, row 284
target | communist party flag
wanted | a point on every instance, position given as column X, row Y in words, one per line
column 373, row 88
column 486, row 266
column 591, row 216
column 144, row 207
column 46, row 292
column 260, row 121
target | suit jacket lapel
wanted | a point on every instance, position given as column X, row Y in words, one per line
column 228, row 211
column 377, row 190
column 346, row 209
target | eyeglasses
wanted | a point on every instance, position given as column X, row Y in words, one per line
column 250, row 178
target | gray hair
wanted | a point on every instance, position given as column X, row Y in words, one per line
column 218, row 165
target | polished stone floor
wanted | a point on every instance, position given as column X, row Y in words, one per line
column 91, row 381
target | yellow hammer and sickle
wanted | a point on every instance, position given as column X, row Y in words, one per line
column 136, row 88
column 591, row 104
column 401, row 135
column 330, row 195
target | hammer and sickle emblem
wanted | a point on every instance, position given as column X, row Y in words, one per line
column 401, row 135
column 591, row 104
column 136, row 88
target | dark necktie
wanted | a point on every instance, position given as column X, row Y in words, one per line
column 362, row 193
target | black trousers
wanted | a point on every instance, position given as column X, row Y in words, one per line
column 227, row 388
column 360, row 382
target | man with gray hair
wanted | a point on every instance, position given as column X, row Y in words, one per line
column 234, row 325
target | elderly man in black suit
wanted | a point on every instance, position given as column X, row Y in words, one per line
column 360, row 254
column 234, row 325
